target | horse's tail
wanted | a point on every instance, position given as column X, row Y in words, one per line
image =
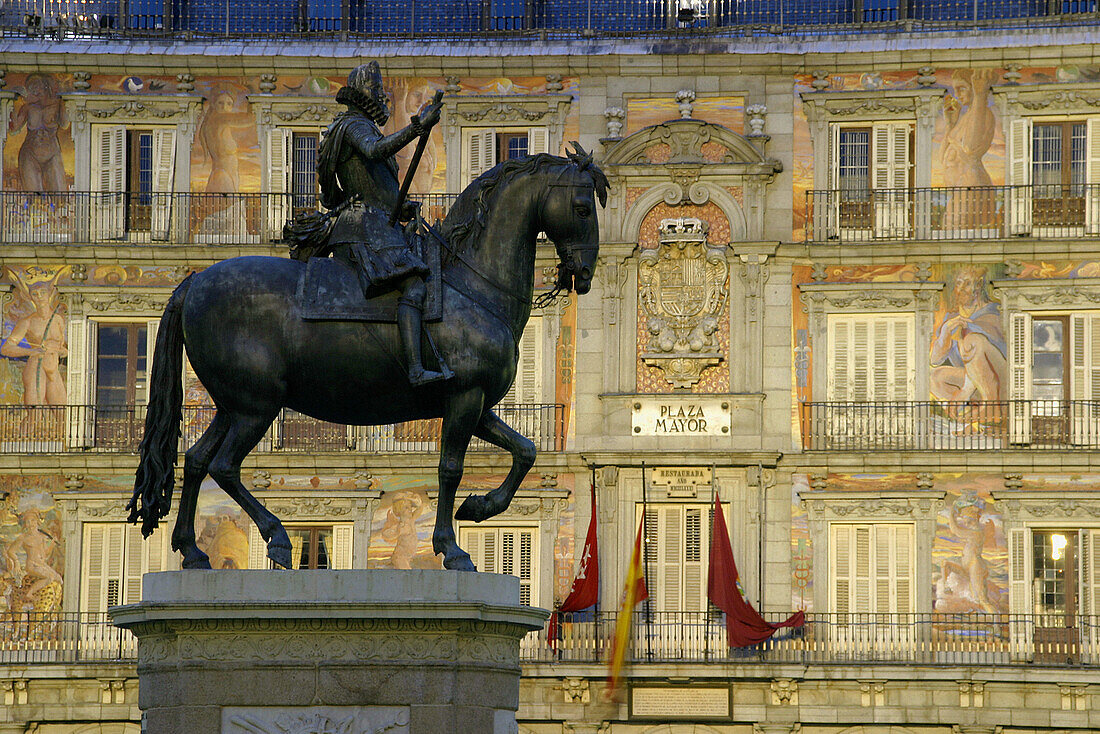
column 159, row 446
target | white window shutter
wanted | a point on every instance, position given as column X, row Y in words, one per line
column 861, row 569
column 257, row 549
column 480, row 154
column 1019, row 591
column 164, row 182
column 81, row 378
column 103, row 565
column 341, row 546
column 278, row 179
column 1019, row 353
column 152, row 326
column 1092, row 176
column 839, row 378
column 538, row 140
column 526, row 389
column 1085, row 376
column 1090, row 588
column 695, row 546
column 135, row 556
column 890, row 178
column 108, row 181
column 1019, row 176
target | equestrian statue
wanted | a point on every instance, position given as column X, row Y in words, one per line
column 377, row 318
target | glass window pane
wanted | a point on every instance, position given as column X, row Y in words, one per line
column 853, row 160
column 1046, row 157
column 1047, row 367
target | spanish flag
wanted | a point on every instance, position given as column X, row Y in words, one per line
column 634, row 592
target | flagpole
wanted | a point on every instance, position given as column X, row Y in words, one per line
column 645, row 566
column 713, row 499
column 596, row 609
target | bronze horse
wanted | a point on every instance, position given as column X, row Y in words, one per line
column 255, row 355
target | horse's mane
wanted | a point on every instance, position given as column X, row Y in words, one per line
column 468, row 217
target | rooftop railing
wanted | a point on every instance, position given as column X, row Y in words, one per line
column 928, row 425
column 953, row 213
column 45, row 429
column 91, row 217
column 679, row 637
column 519, row 18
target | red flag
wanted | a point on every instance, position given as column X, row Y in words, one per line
column 585, row 590
column 744, row 625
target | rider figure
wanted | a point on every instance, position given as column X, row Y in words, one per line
column 357, row 172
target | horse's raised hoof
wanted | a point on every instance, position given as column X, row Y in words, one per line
column 473, row 508
column 459, row 561
column 279, row 554
column 195, row 558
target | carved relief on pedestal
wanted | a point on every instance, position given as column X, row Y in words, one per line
column 683, row 290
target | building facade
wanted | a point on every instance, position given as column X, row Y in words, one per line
column 849, row 282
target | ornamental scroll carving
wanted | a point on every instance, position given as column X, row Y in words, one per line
column 683, row 289
column 316, row 720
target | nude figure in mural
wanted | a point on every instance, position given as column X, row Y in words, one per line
column 218, row 138
column 400, row 529
column 969, row 354
column 40, row 163
column 970, row 128
column 408, row 98
column 973, row 531
column 40, row 337
column 35, row 543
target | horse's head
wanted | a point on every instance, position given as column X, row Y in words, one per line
column 569, row 219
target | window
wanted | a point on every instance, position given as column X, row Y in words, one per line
column 113, row 560
column 871, row 569
column 1052, row 171
column 677, row 543
column 872, row 172
column 506, row 550
column 483, row 148
column 526, row 389
column 870, row 357
column 292, row 174
column 120, row 382
column 1055, row 377
column 1054, row 578
column 312, row 546
column 133, row 175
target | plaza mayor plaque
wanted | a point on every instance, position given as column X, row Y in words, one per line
column 680, row 417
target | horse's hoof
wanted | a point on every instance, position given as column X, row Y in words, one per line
column 459, row 561
column 472, row 509
column 280, row 555
column 197, row 559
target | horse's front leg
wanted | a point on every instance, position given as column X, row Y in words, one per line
column 459, row 421
column 491, row 428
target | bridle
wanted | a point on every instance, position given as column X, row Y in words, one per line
column 544, row 300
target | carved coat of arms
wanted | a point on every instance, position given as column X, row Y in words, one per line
column 683, row 290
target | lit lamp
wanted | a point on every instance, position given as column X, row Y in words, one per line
column 1058, row 544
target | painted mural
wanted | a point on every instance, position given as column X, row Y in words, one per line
column 643, row 112
column 225, row 155
column 34, row 346
column 968, row 147
column 32, row 548
column 221, row 527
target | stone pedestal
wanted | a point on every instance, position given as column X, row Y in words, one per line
column 425, row 652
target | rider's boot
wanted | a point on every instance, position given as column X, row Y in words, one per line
column 409, row 318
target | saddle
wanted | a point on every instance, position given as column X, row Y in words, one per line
column 328, row 290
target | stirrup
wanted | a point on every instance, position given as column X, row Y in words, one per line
column 427, row 377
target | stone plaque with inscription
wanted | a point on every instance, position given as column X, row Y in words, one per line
column 682, row 417
column 681, row 481
column 673, row 702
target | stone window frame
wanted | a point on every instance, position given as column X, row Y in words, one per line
column 917, row 506
column 463, row 112
column 7, row 106
column 823, row 299
column 920, row 106
column 300, row 113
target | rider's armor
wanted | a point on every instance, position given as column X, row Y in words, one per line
column 358, row 173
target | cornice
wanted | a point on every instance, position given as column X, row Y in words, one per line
column 869, row 296
column 1016, row 100
column 1054, row 292
column 275, row 109
column 95, row 107
column 877, row 104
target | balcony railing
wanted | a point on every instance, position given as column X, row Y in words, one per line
column 913, row 639
column 932, row 425
column 39, row 429
column 555, row 18
column 678, row 637
column 953, row 213
column 85, row 217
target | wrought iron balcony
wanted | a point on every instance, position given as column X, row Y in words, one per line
column 921, row 425
column 826, row 639
column 678, row 637
column 91, row 217
column 39, row 429
column 953, row 213
column 519, row 18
